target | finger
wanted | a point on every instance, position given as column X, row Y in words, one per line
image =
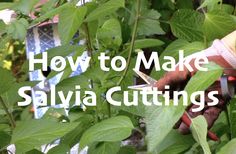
column 223, row 63
column 177, row 125
column 178, row 77
column 211, row 114
column 187, row 123
column 172, row 79
column 221, row 104
column 183, row 128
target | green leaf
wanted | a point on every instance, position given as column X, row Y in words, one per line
column 209, row 3
column 34, row 151
column 11, row 96
column 226, row 8
column 4, row 127
column 50, row 14
column 234, row 17
column 232, row 116
column 109, row 35
column 149, row 24
column 203, row 80
column 229, row 9
column 25, row 6
column 187, row 24
column 105, row 9
column 71, row 19
column 217, row 24
column 66, row 84
column 25, row 114
column 160, row 120
column 18, row 29
column 127, row 150
column 3, row 42
column 2, row 26
column 175, row 142
column 199, row 131
column 189, row 48
column 33, row 133
column 173, row 51
column 2, row 112
column 184, row 4
column 111, row 130
column 229, row 148
column 7, row 80
column 48, row 6
column 54, row 114
column 217, row 5
column 138, row 110
column 73, row 137
column 146, row 43
column 175, row 46
column 62, row 148
column 104, row 148
column 5, row 139
column 164, row 4
column 6, row 5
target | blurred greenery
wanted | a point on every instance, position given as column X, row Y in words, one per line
column 117, row 28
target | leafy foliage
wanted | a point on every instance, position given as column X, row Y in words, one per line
column 199, row 130
column 187, row 24
column 74, row 18
column 155, row 132
column 219, row 21
column 25, row 137
column 113, row 129
column 116, row 27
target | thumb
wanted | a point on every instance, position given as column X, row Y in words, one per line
column 173, row 79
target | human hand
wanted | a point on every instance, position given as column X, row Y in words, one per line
column 225, row 89
column 222, row 52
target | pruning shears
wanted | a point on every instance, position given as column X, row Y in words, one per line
column 227, row 89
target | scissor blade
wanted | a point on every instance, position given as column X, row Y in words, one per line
column 146, row 78
column 140, row 87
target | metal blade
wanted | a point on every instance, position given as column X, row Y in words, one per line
column 146, row 78
column 141, row 87
column 150, row 82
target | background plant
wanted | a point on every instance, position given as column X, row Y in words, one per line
column 122, row 28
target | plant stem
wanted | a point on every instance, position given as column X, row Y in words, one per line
column 132, row 42
column 89, row 45
column 130, row 51
column 228, row 120
column 88, row 37
column 10, row 116
column 234, row 10
column 205, row 41
column 108, row 108
column 90, row 54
